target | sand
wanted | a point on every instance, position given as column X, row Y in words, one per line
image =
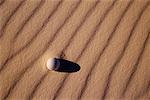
column 109, row 40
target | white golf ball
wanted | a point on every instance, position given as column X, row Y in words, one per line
column 53, row 64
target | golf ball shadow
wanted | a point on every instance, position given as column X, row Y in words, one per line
column 61, row 65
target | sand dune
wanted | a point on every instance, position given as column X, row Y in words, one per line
column 109, row 39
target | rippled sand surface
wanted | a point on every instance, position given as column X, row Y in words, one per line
column 109, row 39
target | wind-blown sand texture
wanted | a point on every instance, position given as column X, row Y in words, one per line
column 109, row 39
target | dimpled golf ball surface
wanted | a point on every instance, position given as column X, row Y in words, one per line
column 53, row 64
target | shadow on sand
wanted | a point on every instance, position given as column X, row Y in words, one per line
column 66, row 66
